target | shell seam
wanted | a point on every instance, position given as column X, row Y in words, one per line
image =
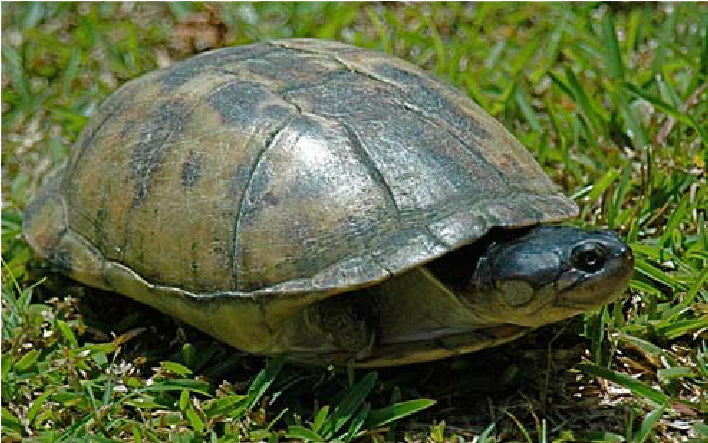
column 371, row 165
column 432, row 119
column 128, row 229
column 270, row 140
column 446, row 127
column 357, row 140
column 376, row 172
column 359, row 144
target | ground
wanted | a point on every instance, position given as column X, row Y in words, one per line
column 610, row 98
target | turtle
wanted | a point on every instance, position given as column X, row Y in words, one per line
column 333, row 204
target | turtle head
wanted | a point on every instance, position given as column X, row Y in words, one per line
column 550, row 273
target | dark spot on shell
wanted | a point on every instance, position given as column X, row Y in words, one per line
column 141, row 258
column 238, row 103
column 315, row 82
column 191, row 169
column 424, row 93
column 276, row 112
column 218, row 247
column 223, row 254
column 194, row 262
column 270, row 199
column 148, row 153
column 287, row 68
column 178, row 76
column 183, row 72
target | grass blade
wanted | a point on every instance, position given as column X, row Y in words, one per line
column 263, row 380
column 582, row 100
column 613, row 57
column 669, row 374
column 675, row 329
column 484, row 437
column 178, row 385
column 175, row 368
column 672, row 111
column 649, row 422
column 27, row 361
column 628, row 382
column 527, row 110
column 36, row 405
column 520, row 426
column 9, row 421
column 644, row 267
column 320, row 418
column 664, row 38
column 704, row 53
column 677, row 216
column 303, row 433
column 380, row 417
column 647, row 347
column 357, row 422
column 603, row 183
column 633, row 124
column 699, row 284
column 349, row 404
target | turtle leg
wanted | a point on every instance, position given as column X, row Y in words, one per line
column 349, row 323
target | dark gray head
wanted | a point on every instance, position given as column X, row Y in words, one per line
column 550, row 273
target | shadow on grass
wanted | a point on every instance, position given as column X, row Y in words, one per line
column 525, row 380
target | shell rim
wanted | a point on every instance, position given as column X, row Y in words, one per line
column 288, row 288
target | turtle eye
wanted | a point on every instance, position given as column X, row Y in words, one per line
column 588, row 257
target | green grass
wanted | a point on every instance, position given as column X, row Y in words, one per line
column 611, row 99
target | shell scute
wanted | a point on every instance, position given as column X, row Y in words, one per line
column 280, row 70
column 437, row 101
column 225, row 60
column 165, row 122
column 247, row 104
column 297, row 166
column 426, row 177
column 311, row 202
column 192, row 169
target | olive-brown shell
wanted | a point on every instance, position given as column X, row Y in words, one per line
column 294, row 166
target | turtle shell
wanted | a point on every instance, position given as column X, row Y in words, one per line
column 293, row 167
